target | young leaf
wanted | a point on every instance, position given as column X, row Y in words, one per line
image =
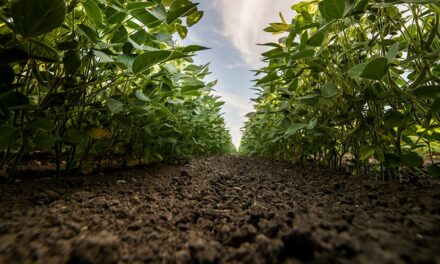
column 115, row 106
column 195, row 17
column 182, row 31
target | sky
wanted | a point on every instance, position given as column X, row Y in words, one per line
column 232, row 29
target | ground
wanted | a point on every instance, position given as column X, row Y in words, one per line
column 225, row 209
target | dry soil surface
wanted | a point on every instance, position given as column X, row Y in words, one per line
column 227, row 209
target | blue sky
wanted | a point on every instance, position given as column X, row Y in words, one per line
column 232, row 28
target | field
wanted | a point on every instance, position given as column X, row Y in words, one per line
column 114, row 146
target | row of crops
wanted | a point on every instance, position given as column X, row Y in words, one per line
column 353, row 84
column 97, row 80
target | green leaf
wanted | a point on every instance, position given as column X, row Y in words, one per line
column 37, row 17
column 103, row 57
column 87, row 32
column 412, row 160
column 375, row 69
column 194, row 48
column 170, row 140
column 392, row 160
column 115, row 15
column 434, row 170
column 72, row 62
column 8, row 136
column 394, row 119
column 365, row 152
column 164, row 110
column 357, row 70
column 430, row 91
column 139, row 5
column 43, row 139
column 67, row 45
column 435, row 107
column 125, row 61
column 303, row 54
column 42, row 51
column 93, row 12
column 146, row 17
column 120, row 35
column 316, row 39
column 173, row 15
column 392, row 52
column 329, row 90
column 141, row 96
column 268, row 78
column 333, row 9
column 191, row 93
column 149, row 59
column 312, row 123
column 195, row 17
column 115, row 106
column 379, row 154
column 294, row 127
column 182, row 31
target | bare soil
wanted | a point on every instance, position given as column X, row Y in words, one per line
column 226, row 209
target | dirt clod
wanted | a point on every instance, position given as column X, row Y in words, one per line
column 101, row 248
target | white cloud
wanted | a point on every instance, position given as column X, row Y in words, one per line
column 236, row 102
column 244, row 21
column 235, row 65
column 235, row 110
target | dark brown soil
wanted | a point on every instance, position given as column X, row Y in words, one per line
column 228, row 209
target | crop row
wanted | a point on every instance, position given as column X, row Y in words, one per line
column 96, row 80
column 354, row 85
